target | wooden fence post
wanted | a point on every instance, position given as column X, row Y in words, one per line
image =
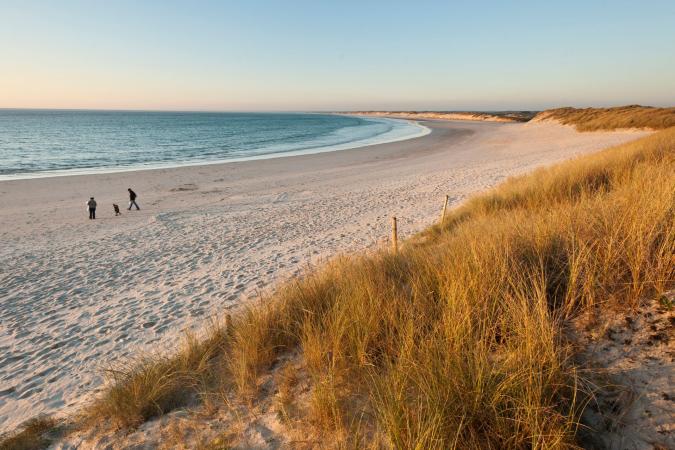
column 445, row 207
column 394, row 235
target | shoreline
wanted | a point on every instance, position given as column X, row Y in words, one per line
column 78, row 295
column 360, row 143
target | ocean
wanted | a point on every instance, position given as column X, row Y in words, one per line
column 40, row 143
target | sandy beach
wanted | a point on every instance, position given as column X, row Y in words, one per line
column 77, row 296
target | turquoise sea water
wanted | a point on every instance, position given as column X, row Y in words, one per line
column 38, row 143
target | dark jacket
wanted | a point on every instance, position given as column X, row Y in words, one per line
column 132, row 195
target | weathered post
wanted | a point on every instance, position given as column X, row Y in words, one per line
column 445, row 207
column 394, row 235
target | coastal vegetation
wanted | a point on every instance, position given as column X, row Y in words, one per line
column 33, row 434
column 584, row 119
column 457, row 340
column 596, row 119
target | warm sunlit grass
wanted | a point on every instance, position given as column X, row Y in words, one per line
column 594, row 119
column 33, row 434
column 154, row 385
column 457, row 340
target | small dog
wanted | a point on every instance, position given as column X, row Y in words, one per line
column 117, row 209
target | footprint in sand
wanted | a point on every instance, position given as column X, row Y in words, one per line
column 185, row 187
column 281, row 197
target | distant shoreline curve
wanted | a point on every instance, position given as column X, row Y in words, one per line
column 422, row 131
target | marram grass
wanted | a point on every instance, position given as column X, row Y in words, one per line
column 597, row 119
column 456, row 341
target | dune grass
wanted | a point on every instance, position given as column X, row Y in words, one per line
column 31, row 435
column 596, row 119
column 153, row 385
column 456, row 341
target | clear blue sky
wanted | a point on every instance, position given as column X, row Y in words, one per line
column 326, row 55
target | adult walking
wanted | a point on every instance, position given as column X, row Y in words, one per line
column 91, row 204
column 132, row 200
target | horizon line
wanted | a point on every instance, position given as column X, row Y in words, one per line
column 310, row 111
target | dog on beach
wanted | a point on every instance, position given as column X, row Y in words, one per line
column 117, row 209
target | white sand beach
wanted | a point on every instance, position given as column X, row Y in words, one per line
column 77, row 296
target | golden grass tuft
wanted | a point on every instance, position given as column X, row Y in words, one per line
column 154, row 385
column 595, row 119
column 33, row 434
column 456, row 341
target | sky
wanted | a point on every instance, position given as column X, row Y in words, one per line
column 319, row 55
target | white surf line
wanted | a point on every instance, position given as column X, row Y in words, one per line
column 362, row 143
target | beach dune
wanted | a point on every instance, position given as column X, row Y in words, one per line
column 78, row 295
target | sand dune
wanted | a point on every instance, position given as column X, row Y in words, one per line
column 77, row 295
column 439, row 115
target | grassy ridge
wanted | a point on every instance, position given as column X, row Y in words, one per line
column 596, row 119
column 456, row 341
